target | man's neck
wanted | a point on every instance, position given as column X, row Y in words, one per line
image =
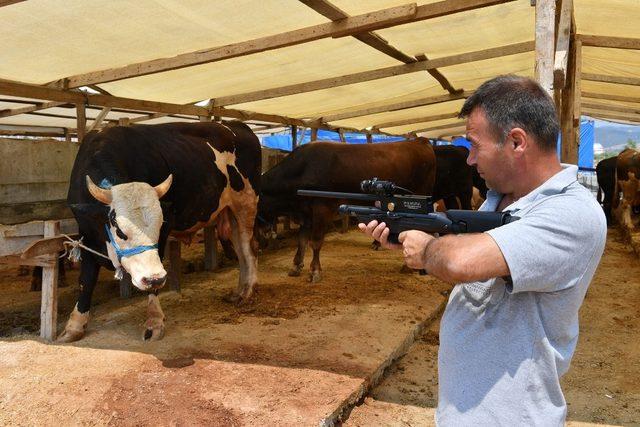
column 534, row 175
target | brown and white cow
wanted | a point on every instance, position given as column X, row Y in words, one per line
column 627, row 183
column 133, row 186
column 328, row 166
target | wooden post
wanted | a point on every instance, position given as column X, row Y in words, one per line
column 81, row 115
column 577, row 90
column 49, row 304
column 211, row 259
column 369, row 138
column 545, row 43
column 314, row 134
column 175, row 264
column 569, row 149
column 294, row 137
column 124, row 121
column 342, row 138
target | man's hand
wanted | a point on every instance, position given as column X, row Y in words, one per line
column 414, row 243
column 380, row 232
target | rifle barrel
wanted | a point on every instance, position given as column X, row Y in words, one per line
column 337, row 195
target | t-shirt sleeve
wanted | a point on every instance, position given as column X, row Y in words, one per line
column 549, row 248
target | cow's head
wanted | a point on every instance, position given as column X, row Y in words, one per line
column 133, row 229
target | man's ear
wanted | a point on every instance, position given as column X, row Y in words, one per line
column 519, row 140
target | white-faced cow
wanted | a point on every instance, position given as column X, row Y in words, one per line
column 133, row 186
column 328, row 166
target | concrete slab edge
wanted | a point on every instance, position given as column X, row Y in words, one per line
column 342, row 411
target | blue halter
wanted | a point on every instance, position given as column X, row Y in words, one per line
column 123, row 253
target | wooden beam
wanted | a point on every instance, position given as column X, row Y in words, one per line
column 610, row 97
column 8, row 2
column 447, row 126
column 562, row 44
column 294, row 137
column 346, row 27
column 81, row 117
column 612, row 42
column 314, row 134
column 608, row 107
column 29, row 109
column 618, row 116
column 49, row 297
column 325, row 8
column 569, row 148
column 632, row 81
column 421, row 119
column 545, row 43
column 396, row 106
column 380, row 73
column 98, row 120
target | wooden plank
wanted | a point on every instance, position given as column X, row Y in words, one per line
column 617, row 116
column 611, row 42
column 609, row 107
column 211, row 257
column 377, row 74
column 422, row 119
column 314, row 134
column 396, row 106
column 577, row 87
column 81, row 117
column 99, row 118
column 36, row 228
column 346, row 27
column 447, row 126
column 294, row 137
column 545, row 43
column 17, row 213
column 374, row 40
column 29, row 109
column 175, row 264
column 562, row 44
column 49, row 304
column 633, row 81
column 34, row 262
column 610, row 97
column 45, row 246
column 341, row 135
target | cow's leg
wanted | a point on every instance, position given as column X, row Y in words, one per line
column 465, row 199
column 303, row 241
column 154, row 326
column 242, row 222
column 322, row 214
column 79, row 318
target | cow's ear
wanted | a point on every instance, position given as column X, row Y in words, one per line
column 162, row 188
column 100, row 194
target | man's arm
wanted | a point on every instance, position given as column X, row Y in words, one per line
column 455, row 258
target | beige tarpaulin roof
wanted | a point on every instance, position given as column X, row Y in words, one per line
column 46, row 40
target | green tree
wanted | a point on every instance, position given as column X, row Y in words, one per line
column 631, row 143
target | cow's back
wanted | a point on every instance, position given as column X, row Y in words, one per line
column 453, row 174
column 149, row 153
column 331, row 166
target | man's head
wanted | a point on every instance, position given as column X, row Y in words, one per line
column 511, row 122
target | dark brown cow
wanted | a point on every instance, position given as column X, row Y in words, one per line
column 455, row 179
column 328, row 166
column 627, row 182
column 606, row 174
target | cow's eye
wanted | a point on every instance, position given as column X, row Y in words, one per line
column 112, row 221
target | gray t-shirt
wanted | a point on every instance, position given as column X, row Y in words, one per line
column 504, row 344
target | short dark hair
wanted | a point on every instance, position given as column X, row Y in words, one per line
column 512, row 101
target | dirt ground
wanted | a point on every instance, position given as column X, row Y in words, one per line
column 294, row 356
column 601, row 388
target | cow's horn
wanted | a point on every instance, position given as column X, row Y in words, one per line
column 163, row 187
column 101, row 194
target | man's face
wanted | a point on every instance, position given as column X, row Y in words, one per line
column 492, row 160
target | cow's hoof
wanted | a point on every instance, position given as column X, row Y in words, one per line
column 405, row 269
column 315, row 277
column 70, row 336
column 295, row 272
column 232, row 298
column 153, row 333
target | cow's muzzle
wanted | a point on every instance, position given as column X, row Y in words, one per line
column 154, row 282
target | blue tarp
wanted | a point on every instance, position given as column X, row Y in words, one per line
column 283, row 141
column 585, row 151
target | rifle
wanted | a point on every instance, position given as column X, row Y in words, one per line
column 401, row 210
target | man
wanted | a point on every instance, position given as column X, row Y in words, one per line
column 511, row 323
